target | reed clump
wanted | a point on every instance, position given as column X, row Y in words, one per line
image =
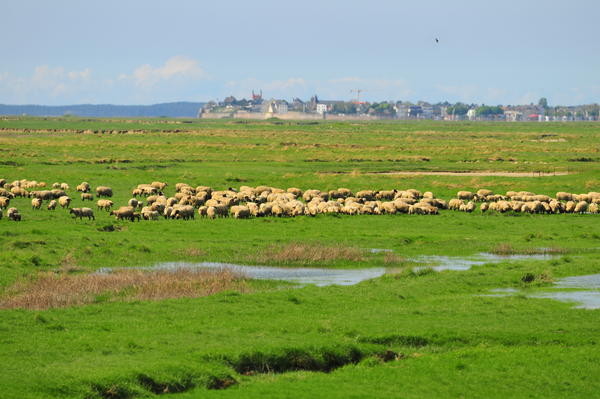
column 51, row 290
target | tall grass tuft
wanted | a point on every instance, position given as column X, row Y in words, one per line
column 49, row 290
column 306, row 254
column 507, row 249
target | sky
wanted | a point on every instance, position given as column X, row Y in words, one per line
column 64, row 52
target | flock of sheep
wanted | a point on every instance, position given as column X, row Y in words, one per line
column 149, row 202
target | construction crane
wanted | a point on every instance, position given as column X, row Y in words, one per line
column 357, row 91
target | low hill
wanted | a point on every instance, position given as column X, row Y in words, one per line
column 173, row 110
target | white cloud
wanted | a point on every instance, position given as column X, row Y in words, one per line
column 44, row 82
column 180, row 67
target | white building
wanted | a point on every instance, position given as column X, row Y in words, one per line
column 321, row 108
column 471, row 114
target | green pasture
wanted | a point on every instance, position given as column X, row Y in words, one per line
column 406, row 334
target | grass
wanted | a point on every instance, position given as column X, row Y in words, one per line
column 409, row 333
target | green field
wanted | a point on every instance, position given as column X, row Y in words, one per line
column 407, row 334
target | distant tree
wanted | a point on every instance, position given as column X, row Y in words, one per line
column 458, row 109
column 543, row 102
column 488, row 111
column 344, row 108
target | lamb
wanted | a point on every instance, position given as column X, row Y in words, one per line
column 124, row 212
column 13, row 214
column 82, row 212
column 52, row 205
column 87, row 196
column 103, row 191
column 150, row 215
column 36, row 203
column 84, row 187
column 64, row 201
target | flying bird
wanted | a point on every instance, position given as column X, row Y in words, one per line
column 437, row 40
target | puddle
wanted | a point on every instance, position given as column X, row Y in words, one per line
column 320, row 277
column 590, row 281
column 585, row 298
column 457, row 263
column 380, row 250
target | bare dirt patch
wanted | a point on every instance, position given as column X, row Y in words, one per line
column 49, row 290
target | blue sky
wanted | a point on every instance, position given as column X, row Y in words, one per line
column 144, row 52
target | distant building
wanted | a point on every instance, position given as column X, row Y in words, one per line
column 321, row 108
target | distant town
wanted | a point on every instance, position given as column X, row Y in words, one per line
column 256, row 107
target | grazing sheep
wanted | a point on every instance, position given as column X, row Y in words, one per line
column 64, row 201
column 124, row 212
column 64, row 186
column 468, row 207
column 82, row 212
column 4, row 202
column 87, row 196
column 103, row 191
column 104, row 204
column 56, row 185
column 240, row 212
column 133, row 203
column 570, row 206
column 386, row 194
column 84, row 187
column 465, row 195
column 455, row 204
column 158, row 185
column 556, row 207
column 19, row 192
column 594, row 208
column 184, row 212
column 484, row 193
column 36, row 203
column 563, row 196
column 57, row 193
column 367, row 195
column 581, row 207
column 149, row 214
column 484, row 207
column 52, row 205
